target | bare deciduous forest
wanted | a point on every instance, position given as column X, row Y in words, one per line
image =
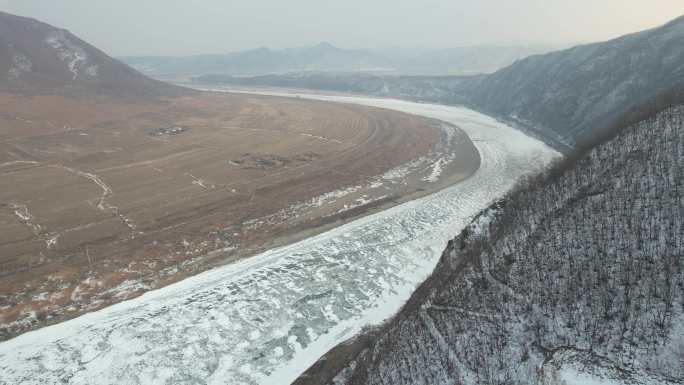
column 578, row 268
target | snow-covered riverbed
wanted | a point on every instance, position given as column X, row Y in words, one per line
column 264, row 320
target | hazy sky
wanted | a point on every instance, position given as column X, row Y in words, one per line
column 180, row 27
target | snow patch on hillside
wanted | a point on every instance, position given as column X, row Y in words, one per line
column 73, row 55
column 480, row 225
column 93, row 71
column 20, row 64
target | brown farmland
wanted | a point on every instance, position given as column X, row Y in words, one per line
column 101, row 199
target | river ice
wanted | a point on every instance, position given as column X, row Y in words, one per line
column 264, row 320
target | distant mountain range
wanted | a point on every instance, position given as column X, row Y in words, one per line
column 262, row 60
column 326, row 57
column 37, row 57
column 565, row 97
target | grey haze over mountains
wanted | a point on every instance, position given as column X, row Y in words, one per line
column 327, row 58
column 262, row 60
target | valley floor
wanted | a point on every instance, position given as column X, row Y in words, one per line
column 269, row 317
column 102, row 200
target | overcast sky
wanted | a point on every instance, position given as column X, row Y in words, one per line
column 182, row 27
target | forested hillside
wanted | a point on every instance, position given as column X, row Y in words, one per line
column 574, row 277
column 572, row 93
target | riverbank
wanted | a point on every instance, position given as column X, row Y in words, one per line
column 270, row 317
column 234, row 176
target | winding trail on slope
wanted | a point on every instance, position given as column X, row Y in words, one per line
column 266, row 319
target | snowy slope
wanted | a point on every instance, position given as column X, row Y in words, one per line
column 573, row 93
column 575, row 278
column 266, row 319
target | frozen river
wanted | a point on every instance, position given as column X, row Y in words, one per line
column 264, row 320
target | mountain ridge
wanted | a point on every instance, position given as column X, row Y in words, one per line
column 260, row 60
column 327, row 57
column 572, row 92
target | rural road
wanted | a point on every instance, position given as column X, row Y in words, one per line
column 264, row 320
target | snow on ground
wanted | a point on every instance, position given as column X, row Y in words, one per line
column 436, row 171
column 481, row 223
column 265, row 319
column 72, row 54
column 432, row 165
column 21, row 64
column 332, row 196
column 399, row 173
column 364, row 200
column 570, row 376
